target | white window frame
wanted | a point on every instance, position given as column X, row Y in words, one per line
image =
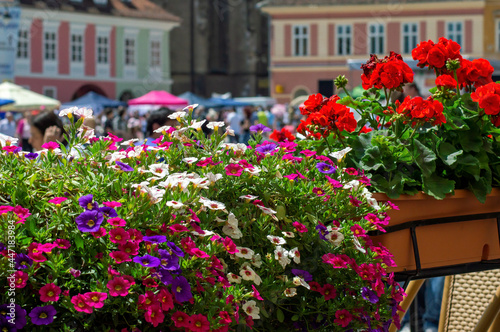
column 77, row 68
column 22, row 65
column 453, row 33
column 155, row 37
column 303, row 36
column 50, row 88
column 102, row 69
column 130, row 70
column 413, row 36
column 376, row 35
column 343, row 38
column 50, row 65
column 497, row 35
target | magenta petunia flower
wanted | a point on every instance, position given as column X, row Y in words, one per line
column 299, row 227
column 57, row 200
column 147, row 260
column 62, row 243
column 95, row 299
column 233, row 170
column 112, row 204
column 43, row 315
column 118, row 235
column 308, row 153
column 80, row 304
column 89, row 221
column 50, row 145
column 117, row 222
column 120, row 256
column 318, row 191
column 118, row 286
column 49, row 292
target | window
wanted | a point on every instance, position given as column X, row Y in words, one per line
column 50, row 91
column 76, row 48
column 129, row 52
column 344, row 37
column 454, row 31
column 300, row 40
column 410, row 37
column 155, row 59
column 50, row 46
column 376, row 38
column 23, row 44
column 102, row 50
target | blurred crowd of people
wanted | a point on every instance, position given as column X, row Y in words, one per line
column 34, row 128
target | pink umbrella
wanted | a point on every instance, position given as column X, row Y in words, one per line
column 159, row 98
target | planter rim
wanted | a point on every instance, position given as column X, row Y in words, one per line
column 459, row 193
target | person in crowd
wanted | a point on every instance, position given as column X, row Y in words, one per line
column 120, row 124
column 134, row 127
column 46, row 127
column 157, row 120
column 233, row 120
column 23, row 131
column 245, row 126
column 108, row 122
column 8, row 125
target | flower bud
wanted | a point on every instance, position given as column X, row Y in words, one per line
column 452, row 64
column 341, row 82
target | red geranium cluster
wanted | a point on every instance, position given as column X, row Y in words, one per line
column 476, row 72
column 488, row 98
column 325, row 116
column 419, row 110
column 429, row 54
column 391, row 72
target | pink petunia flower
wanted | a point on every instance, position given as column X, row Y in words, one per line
column 49, row 292
column 118, row 286
column 120, row 257
column 95, row 299
column 299, row 227
column 343, row 317
column 117, row 222
column 57, row 200
column 80, row 303
column 234, row 170
column 112, row 204
column 118, row 235
column 50, row 145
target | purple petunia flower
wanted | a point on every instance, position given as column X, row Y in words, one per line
column 165, row 276
column 23, row 262
column 325, row 168
column 155, row 238
column 175, row 249
column 322, row 232
column 2, row 246
column 302, row 274
column 168, row 261
column 6, row 325
column 147, row 260
column 87, row 202
column 267, row 148
column 31, row 155
column 108, row 212
column 369, row 295
column 124, row 167
column 43, row 315
column 181, row 289
column 259, row 128
column 19, row 314
column 89, row 221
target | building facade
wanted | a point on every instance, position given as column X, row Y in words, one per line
column 221, row 46
column 314, row 41
column 117, row 48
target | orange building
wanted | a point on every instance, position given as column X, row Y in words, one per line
column 314, row 41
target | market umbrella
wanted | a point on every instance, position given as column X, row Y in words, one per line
column 298, row 101
column 195, row 99
column 94, row 101
column 228, row 102
column 5, row 101
column 159, row 98
column 24, row 99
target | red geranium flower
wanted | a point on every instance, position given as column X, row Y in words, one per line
column 281, row 136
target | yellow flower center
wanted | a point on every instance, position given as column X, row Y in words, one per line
column 95, row 298
column 198, row 324
column 50, row 293
column 118, row 237
column 81, row 304
column 42, row 315
column 91, row 223
column 179, row 289
column 89, row 206
column 118, row 287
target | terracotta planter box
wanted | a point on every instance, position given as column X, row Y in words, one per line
column 442, row 244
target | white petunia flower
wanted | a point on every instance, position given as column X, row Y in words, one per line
column 334, row 236
column 175, row 204
column 215, row 125
column 229, row 131
column 177, row 115
column 214, row 205
column 190, row 160
column 163, row 129
column 339, row 155
column 232, row 232
column 281, row 255
column 266, row 210
column 234, row 278
column 288, row 234
column 354, row 184
column 231, row 220
column 358, row 245
column 213, row 177
column 84, row 112
column 251, row 309
column 247, row 273
column 290, row 292
column 248, row 197
column 244, row 252
column 276, row 240
column 298, row 281
column 7, row 140
column 159, row 170
column 197, row 124
column 295, row 255
column 67, row 111
column 256, row 260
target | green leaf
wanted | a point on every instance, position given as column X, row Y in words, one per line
column 295, row 318
column 79, row 241
column 448, row 153
column 425, row 158
column 281, row 212
column 281, row 316
column 372, row 159
column 30, row 225
column 471, row 140
column 33, row 178
column 437, row 186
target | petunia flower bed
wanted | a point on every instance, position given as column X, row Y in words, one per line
column 192, row 235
